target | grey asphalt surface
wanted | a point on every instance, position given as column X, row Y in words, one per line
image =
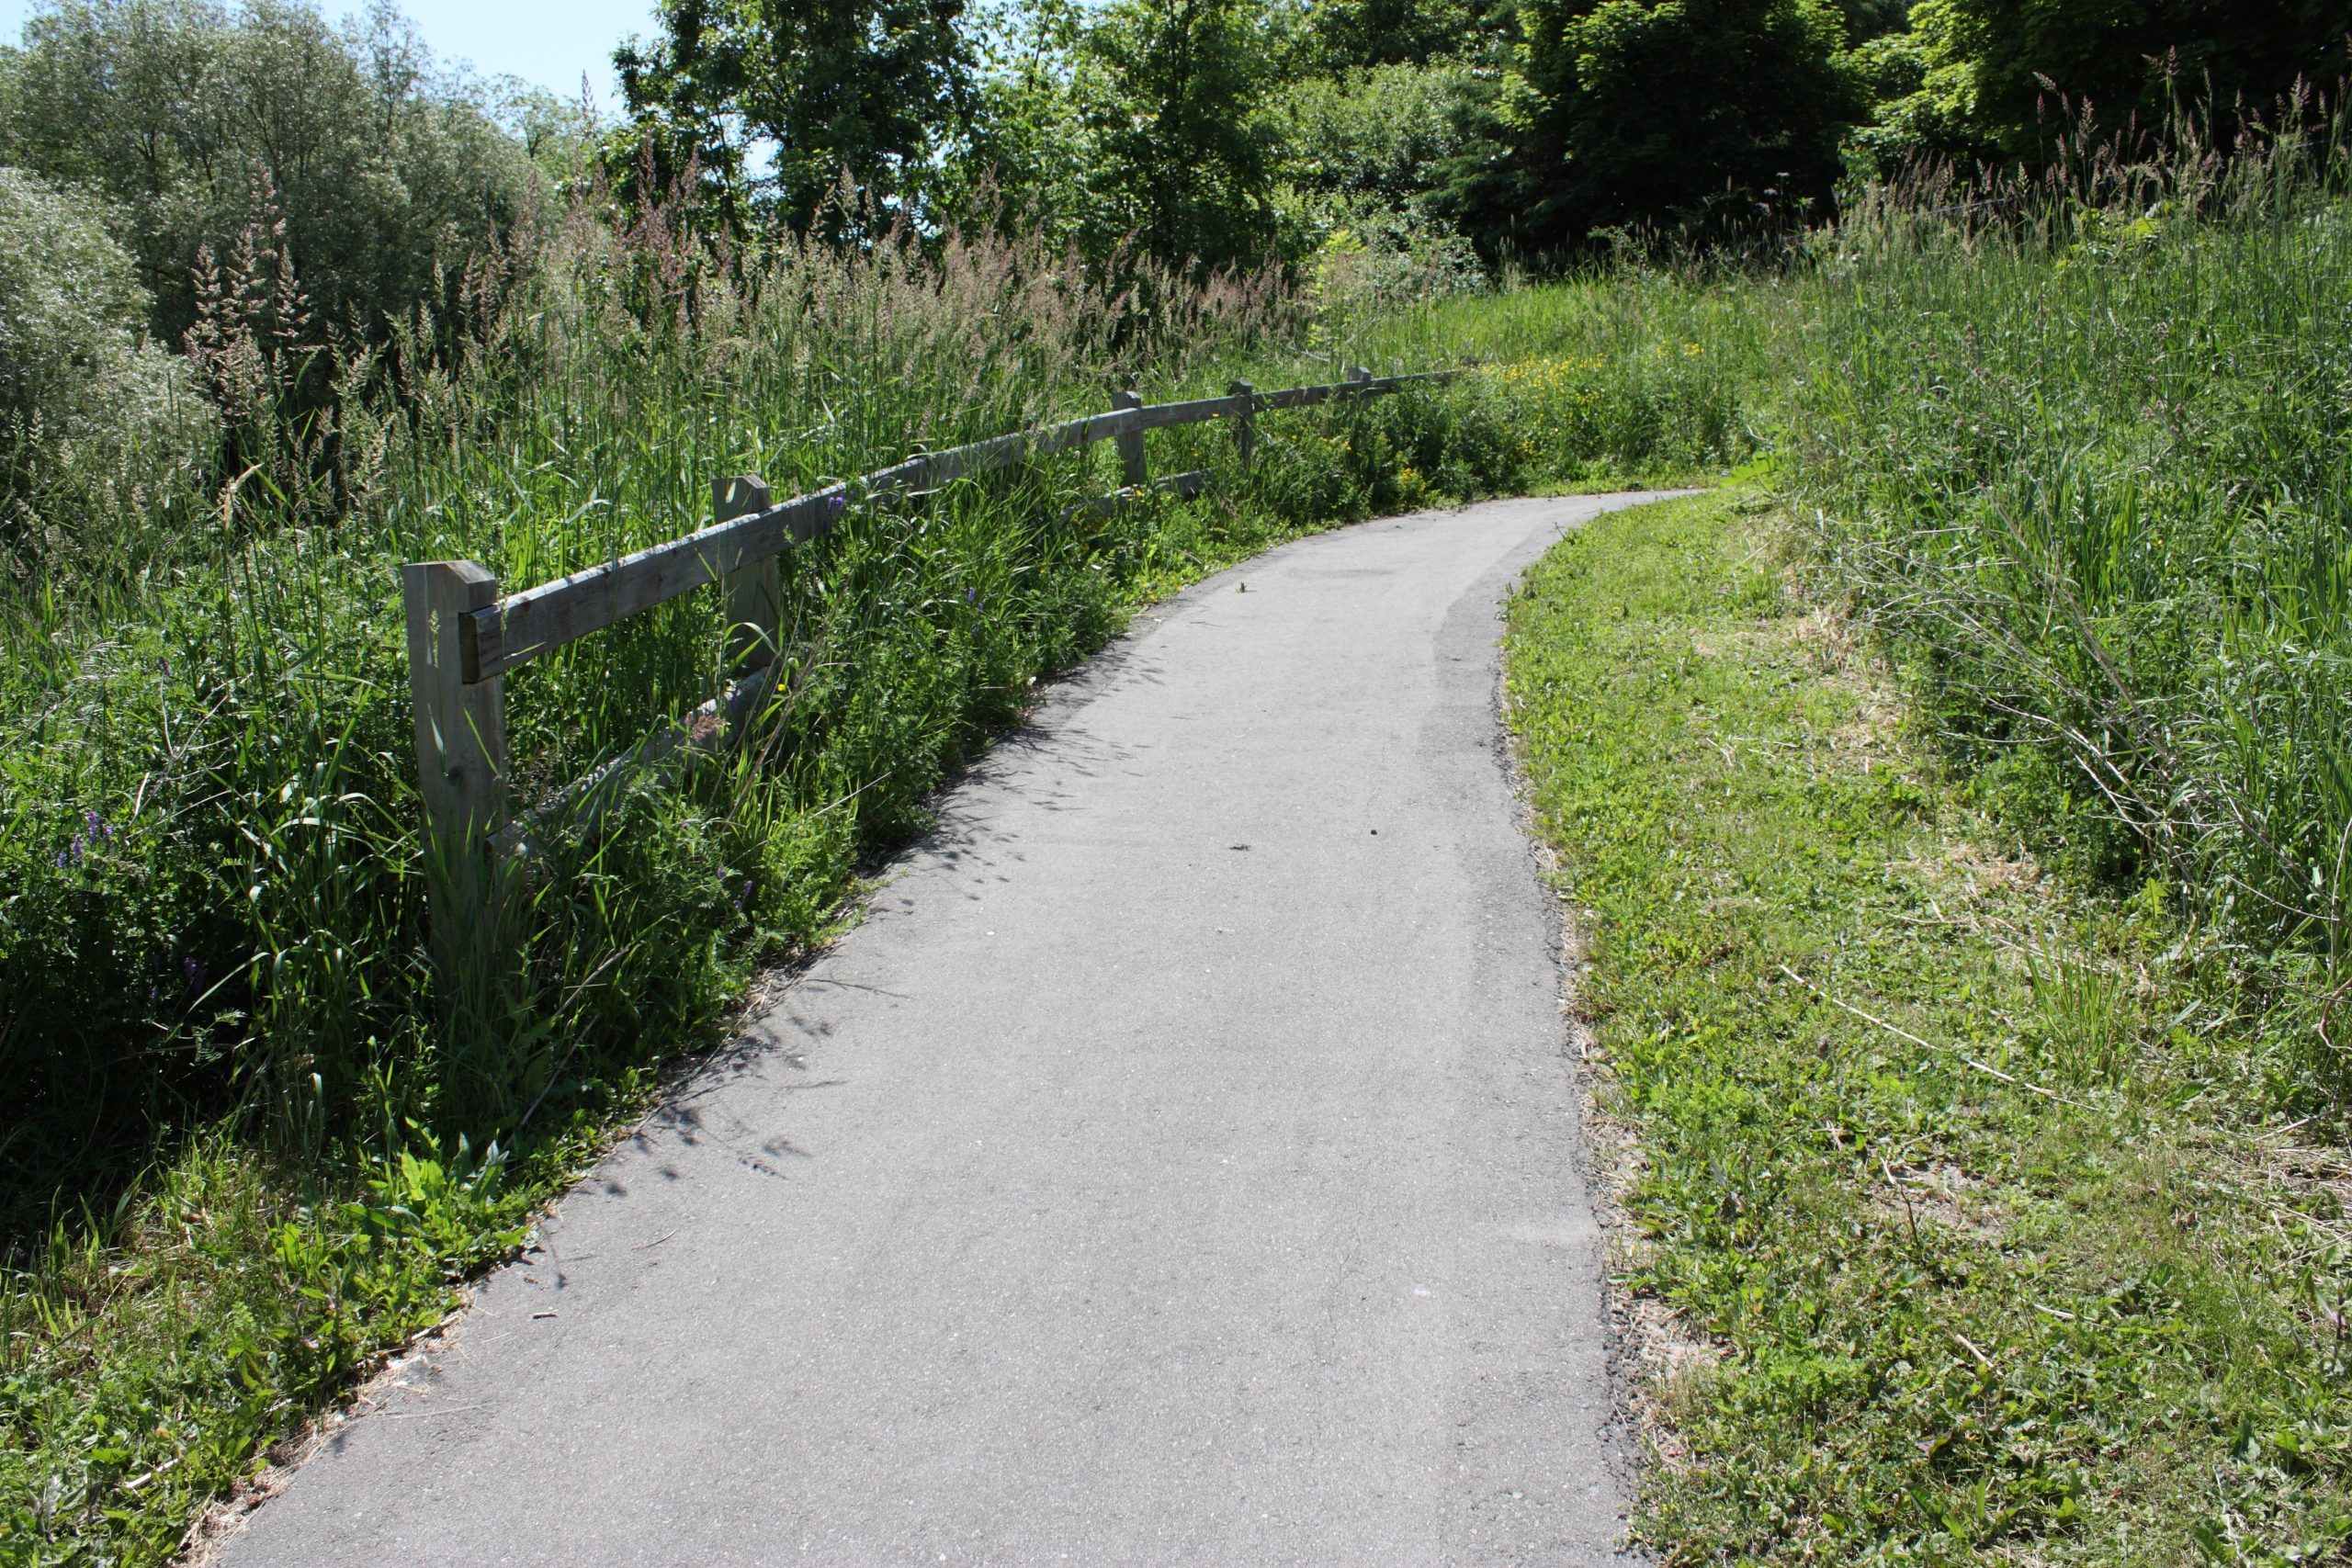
column 1179, row 1165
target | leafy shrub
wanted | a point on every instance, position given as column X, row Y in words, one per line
column 1373, row 259
column 389, row 176
column 94, row 419
column 2006, row 79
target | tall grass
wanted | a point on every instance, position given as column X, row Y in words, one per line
column 2081, row 455
column 209, row 811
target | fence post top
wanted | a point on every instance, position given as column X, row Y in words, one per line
column 725, row 491
column 451, row 570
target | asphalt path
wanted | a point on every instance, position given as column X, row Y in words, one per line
column 1180, row 1163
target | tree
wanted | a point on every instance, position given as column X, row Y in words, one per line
column 1025, row 162
column 2007, row 78
column 1344, row 34
column 1867, row 19
column 1696, row 113
column 89, row 408
column 773, row 101
column 1173, row 93
column 177, row 110
column 1379, row 134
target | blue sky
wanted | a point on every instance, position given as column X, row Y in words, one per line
column 543, row 42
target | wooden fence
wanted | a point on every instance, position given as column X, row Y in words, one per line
column 464, row 636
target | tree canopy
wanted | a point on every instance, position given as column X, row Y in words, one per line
column 179, row 111
column 1696, row 112
column 774, row 102
column 1174, row 104
column 2006, row 78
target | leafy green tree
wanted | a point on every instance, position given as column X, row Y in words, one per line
column 1174, row 94
column 1921, row 116
column 1026, row 161
column 386, row 173
column 1705, row 114
column 1345, row 34
column 1380, row 132
column 772, row 102
column 558, row 135
column 2007, row 78
column 1867, row 19
column 89, row 408
column 1360, row 153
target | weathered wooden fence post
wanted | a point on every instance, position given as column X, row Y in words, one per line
column 1131, row 444
column 753, row 594
column 1358, row 375
column 461, row 726
column 1245, row 423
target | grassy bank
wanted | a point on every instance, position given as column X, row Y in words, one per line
column 2091, row 479
column 1966, row 1223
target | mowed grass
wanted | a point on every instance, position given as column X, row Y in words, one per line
column 1962, row 1225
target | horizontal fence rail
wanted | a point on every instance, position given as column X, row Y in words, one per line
column 464, row 637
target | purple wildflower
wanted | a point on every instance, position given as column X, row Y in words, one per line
column 99, row 828
column 836, row 504
column 191, row 968
column 971, row 596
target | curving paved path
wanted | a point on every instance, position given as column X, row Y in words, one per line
column 1180, row 1164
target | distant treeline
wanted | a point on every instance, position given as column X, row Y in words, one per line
column 1233, row 131
column 1226, row 132
column 290, row 204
